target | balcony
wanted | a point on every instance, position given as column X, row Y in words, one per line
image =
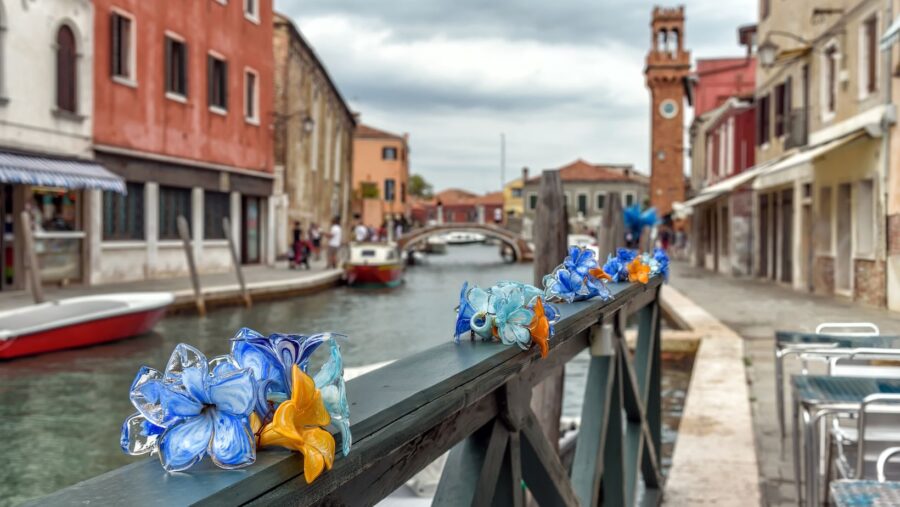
column 796, row 129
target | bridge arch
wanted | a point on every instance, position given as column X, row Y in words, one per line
column 520, row 247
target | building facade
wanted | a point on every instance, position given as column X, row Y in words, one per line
column 514, row 202
column 183, row 112
column 313, row 138
column 667, row 67
column 380, row 175
column 587, row 188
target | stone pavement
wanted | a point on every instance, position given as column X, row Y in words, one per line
column 754, row 309
column 218, row 288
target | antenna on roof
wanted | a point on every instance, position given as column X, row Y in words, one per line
column 502, row 160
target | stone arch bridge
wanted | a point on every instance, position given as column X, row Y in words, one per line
column 521, row 249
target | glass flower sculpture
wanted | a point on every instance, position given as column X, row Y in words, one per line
column 617, row 266
column 192, row 409
column 638, row 271
column 511, row 312
column 577, row 278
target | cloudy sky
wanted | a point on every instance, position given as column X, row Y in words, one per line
column 562, row 79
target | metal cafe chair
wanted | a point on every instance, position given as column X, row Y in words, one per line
column 827, row 335
column 855, row 493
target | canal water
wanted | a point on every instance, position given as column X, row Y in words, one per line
column 60, row 413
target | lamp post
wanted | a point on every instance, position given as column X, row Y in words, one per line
column 768, row 50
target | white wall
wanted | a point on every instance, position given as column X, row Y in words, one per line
column 28, row 75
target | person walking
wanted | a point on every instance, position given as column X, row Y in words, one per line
column 361, row 232
column 315, row 235
column 335, row 238
column 297, row 254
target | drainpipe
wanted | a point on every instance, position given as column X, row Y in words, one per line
column 887, row 120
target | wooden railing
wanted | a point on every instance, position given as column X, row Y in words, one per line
column 472, row 398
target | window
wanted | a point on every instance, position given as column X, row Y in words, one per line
column 629, row 199
column 830, row 70
column 865, row 217
column 176, row 67
column 122, row 51
column 403, row 192
column 66, row 70
column 388, row 153
column 123, row 215
column 251, row 9
column 173, row 202
column 868, row 57
column 516, row 193
column 389, row 189
column 763, row 120
column 601, row 201
column 582, row 204
column 568, row 200
column 782, row 107
column 216, row 206
column 764, row 8
column 532, row 201
column 823, row 222
column 251, row 96
column 217, row 77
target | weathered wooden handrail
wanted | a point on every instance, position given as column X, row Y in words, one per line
column 472, row 398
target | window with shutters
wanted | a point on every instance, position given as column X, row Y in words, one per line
column 782, row 107
column 217, row 77
column 66, row 70
column 763, row 120
column 251, row 96
column 176, row 67
column 868, row 57
column 123, row 215
column 830, row 58
column 582, row 204
column 532, row 200
column 173, row 202
column 216, row 206
column 122, row 47
column 601, row 201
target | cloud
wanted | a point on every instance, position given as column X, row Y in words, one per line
column 561, row 79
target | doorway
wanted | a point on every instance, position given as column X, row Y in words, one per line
column 787, row 235
column 250, row 230
column 763, row 269
column 842, row 261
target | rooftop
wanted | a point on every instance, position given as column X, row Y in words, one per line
column 372, row 132
column 581, row 170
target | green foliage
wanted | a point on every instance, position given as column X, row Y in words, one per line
column 369, row 190
column 419, row 187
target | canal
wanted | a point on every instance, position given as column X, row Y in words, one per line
column 60, row 413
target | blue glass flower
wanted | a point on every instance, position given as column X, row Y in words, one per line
column 661, row 263
column 196, row 407
column 270, row 358
column 464, row 313
column 617, row 267
column 580, row 260
column 565, row 285
column 513, row 318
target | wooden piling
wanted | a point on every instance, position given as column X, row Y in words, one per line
column 31, row 262
column 185, row 234
column 236, row 260
column 612, row 229
column 551, row 226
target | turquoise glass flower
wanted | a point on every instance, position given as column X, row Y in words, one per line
column 193, row 409
column 513, row 318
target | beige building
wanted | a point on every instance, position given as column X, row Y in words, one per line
column 313, row 137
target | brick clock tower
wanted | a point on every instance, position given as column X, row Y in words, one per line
column 668, row 65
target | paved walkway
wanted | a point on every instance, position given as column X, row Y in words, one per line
column 755, row 309
column 218, row 288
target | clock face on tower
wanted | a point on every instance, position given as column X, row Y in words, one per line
column 668, row 108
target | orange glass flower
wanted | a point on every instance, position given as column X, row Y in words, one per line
column 599, row 274
column 297, row 425
column 540, row 328
column 638, row 271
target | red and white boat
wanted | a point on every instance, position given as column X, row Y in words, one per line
column 79, row 322
column 374, row 265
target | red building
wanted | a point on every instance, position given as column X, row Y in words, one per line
column 183, row 111
column 459, row 206
column 715, row 80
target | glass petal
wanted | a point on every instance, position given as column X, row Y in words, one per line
column 184, row 444
column 234, row 393
column 232, row 444
column 139, row 435
column 222, row 365
column 185, row 357
column 162, row 403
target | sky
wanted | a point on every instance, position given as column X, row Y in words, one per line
column 561, row 79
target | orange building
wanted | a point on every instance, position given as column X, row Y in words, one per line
column 183, row 112
column 380, row 174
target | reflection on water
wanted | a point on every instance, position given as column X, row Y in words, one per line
column 60, row 413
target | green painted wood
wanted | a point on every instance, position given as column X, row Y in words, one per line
column 491, row 466
column 509, row 485
column 544, row 474
column 613, row 478
column 644, row 348
column 633, row 446
column 651, row 473
column 587, row 465
column 463, row 468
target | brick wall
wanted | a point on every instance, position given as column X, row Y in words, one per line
column 823, row 275
column 869, row 282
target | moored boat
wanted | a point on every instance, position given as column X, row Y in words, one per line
column 464, row 238
column 79, row 322
column 436, row 245
column 374, row 265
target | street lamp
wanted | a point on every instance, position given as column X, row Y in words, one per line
column 768, row 50
column 308, row 124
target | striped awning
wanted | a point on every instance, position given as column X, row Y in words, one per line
column 27, row 169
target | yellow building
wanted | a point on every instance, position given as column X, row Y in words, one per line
column 514, row 201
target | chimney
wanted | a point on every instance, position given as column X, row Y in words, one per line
column 524, row 174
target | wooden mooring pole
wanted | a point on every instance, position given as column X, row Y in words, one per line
column 612, row 229
column 31, row 262
column 184, row 231
column 236, row 260
column 551, row 226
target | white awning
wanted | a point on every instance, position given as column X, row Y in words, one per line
column 797, row 166
column 28, row 169
column 891, row 34
column 718, row 189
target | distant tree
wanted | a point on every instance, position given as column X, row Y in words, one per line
column 418, row 187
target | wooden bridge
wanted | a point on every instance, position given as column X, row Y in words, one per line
column 519, row 246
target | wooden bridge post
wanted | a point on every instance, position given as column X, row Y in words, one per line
column 551, row 226
column 612, row 229
column 31, row 261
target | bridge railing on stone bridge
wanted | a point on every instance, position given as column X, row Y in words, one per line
column 471, row 399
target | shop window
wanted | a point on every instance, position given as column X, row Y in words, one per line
column 216, row 206
column 865, row 217
column 56, row 209
column 823, row 221
column 173, row 202
column 176, row 67
column 66, row 70
column 123, row 215
column 122, row 46
column 217, row 81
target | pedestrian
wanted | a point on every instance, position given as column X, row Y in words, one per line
column 360, row 232
column 315, row 235
column 382, row 232
column 335, row 238
column 398, row 228
column 295, row 245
